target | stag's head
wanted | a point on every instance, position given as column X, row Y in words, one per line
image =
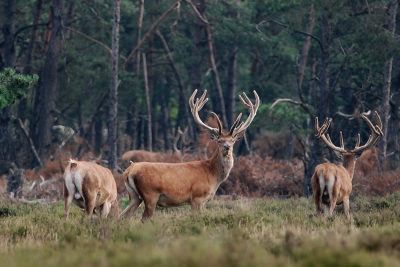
column 341, row 152
column 225, row 140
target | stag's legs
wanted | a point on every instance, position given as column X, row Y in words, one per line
column 318, row 202
column 134, row 203
column 114, row 209
column 326, row 210
column 68, row 197
column 332, row 200
column 317, row 193
column 346, row 203
column 150, row 203
column 105, row 210
column 90, row 199
column 197, row 204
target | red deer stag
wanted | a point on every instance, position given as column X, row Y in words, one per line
column 91, row 187
column 195, row 182
column 331, row 183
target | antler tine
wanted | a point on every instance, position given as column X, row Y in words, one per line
column 179, row 130
column 358, row 141
column 376, row 133
column 341, row 140
column 321, row 130
column 320, row 133
column 253, row 110
column 235, row 124
column 195, row 107
column 218, row 122
column 176, row 138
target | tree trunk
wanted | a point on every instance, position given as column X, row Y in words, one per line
column 216, row 78
column 7, row 153
column 23, row 152
column 387, row 79
column 134, row 132
column 49, row 82
column 146, row 85
column 324, row 94
column 47, row 32
column 30, row 51
column 113, row 107
column 69, row 18
column 183, row 102
column 300, row 75
column 98, row 136
column 230, row 96
column 164, row 113
column 198, row 40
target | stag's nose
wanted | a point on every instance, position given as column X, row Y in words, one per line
column 227, row 147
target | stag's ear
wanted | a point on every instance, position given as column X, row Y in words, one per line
column 338, row 154
column 239, row 136
column 212, row 135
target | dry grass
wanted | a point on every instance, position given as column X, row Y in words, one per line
column 229, row 233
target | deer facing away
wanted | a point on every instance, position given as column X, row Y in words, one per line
column 195, row 182
column 91, row 187
column 331, row 183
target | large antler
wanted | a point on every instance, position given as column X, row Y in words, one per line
column 196, row 107
column 320, row 133
column 235, row 129
column 376, row 133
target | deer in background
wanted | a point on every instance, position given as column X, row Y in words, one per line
column 91, row 187
column 331, row 183
column 195, row 182
column 147, row 156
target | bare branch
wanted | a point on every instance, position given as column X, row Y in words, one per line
column 154, row 26
column 304, row 106
column 197, row 12
column 30, row 142
column 298, row 31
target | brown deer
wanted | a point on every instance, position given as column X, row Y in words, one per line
column 148, row 156
column 91, row 187
column 331, row 183
column 195, row 182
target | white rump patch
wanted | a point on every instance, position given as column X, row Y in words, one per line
column 77, row 196
column 78, row 182
column 322, row 182
column 331, row 182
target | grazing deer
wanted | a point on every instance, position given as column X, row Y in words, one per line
column 147, row 156
column 331, row 183
column 91, row 187
column 368, row 161
column 195, row 182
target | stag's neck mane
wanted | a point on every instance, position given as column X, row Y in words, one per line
column 221, row 165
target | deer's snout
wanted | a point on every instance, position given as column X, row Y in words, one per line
column 227, row 147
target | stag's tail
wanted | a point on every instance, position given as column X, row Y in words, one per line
column 71, row 174
column 326, row 183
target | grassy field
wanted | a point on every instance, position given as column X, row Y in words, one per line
column 265, row 232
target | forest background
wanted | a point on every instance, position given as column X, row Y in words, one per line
column 117, row 75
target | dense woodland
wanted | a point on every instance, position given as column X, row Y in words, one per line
column 117, row 75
